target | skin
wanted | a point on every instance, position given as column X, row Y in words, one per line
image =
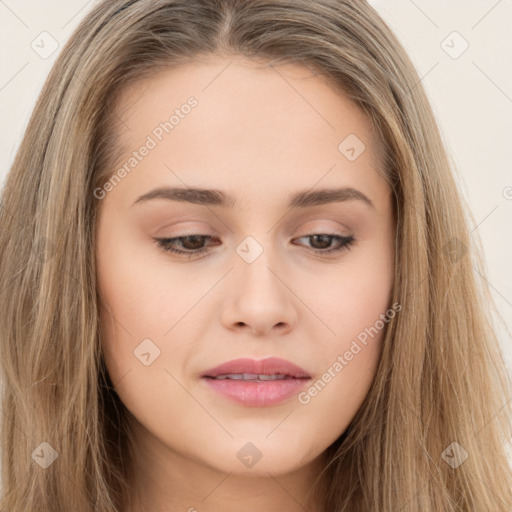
column 260, row 134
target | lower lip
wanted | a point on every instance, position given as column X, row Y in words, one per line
column 257, row 394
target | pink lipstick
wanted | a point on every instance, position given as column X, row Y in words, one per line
column 257, row 383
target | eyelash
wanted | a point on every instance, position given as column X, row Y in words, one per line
column 166, row 244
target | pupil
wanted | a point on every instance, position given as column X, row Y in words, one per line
column 194, row 238
column 325, row 240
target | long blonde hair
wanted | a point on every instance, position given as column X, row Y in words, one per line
column 441, row 378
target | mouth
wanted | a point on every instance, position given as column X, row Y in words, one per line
column 256, row 383
column 271, row 368
column 253, row 377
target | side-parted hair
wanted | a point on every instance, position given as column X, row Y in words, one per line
column 441, row 378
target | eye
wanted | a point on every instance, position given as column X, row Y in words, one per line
column 193, row 244
column 344, row 242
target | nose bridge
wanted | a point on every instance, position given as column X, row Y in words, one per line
column 256, row 257
column 260, row 298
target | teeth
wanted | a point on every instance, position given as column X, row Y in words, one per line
column 272, row 377
column 253, row 376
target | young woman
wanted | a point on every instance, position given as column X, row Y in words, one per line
column 235, row 271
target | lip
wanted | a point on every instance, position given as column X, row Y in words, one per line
column 268, row 366
column 257, row 393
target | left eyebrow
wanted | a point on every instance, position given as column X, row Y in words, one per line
column 214, row 197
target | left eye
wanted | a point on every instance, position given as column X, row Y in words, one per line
column 344, row 242
column 192, row 243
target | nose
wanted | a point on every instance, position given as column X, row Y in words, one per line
column 259, row 298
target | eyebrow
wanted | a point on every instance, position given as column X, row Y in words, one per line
column 213, row 197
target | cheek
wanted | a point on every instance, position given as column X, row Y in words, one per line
column 349, row 364
column 351, row 298
column 130, row 278
column 137, row 304
column 355, row 303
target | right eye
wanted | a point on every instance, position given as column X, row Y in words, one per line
column 192, row 241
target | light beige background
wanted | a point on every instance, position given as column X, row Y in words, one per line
column 471, row 95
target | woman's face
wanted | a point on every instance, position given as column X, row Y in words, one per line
column 288, row 158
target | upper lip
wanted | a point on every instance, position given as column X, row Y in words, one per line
column 268, row 366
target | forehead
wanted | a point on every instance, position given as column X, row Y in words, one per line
column 252, row 88
column 252, row 125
